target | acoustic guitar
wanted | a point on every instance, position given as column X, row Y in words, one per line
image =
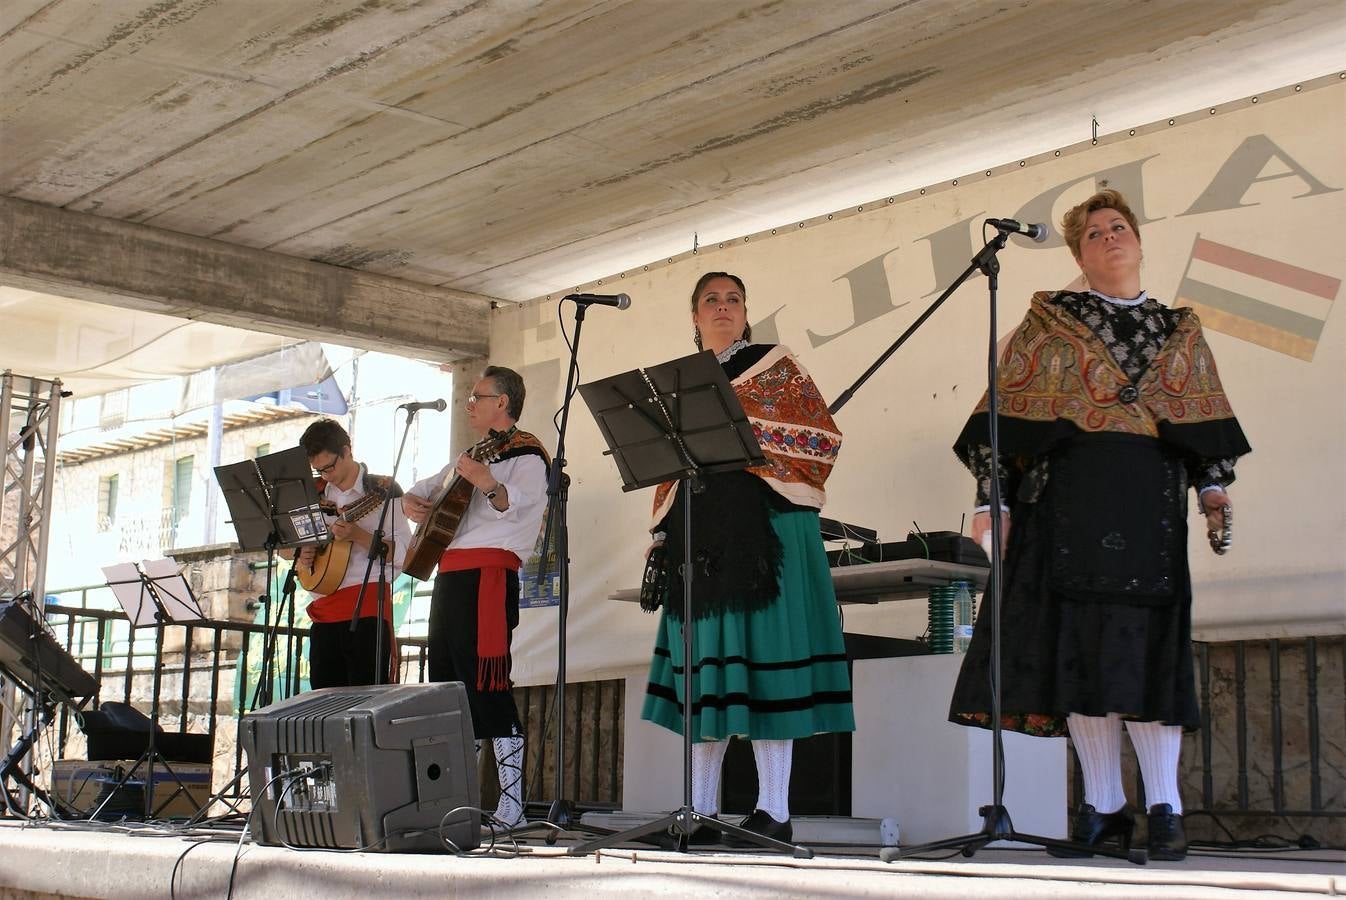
column 329, row 563
column 446, row 513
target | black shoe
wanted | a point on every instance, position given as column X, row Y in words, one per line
column 1168, row 839
column 761, row 823
column 1092, row 828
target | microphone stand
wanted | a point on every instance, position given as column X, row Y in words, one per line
column 378, row 549
column 561, row 814
column 287, row 603
column 996, row 824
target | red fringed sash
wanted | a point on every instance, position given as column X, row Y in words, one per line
column 492, row 629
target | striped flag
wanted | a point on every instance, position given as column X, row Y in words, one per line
column 1256, row 298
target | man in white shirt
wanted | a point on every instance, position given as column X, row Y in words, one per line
column 338, row 656
column 475, row 605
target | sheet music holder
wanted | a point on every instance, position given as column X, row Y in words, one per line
column 678, row 416
column 155, row 593
column 677, row 420
column 273, row 502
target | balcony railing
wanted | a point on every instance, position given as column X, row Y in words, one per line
column 208, row 677
column 1272, row 742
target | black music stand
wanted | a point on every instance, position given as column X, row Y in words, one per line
column 153, row 593
column 678, row 420
column 273, row 504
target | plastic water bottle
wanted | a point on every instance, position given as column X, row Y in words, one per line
column 963, row 616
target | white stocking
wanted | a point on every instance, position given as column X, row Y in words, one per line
column 707, row 758
column 509, row 767
column 1157, row 748
column 773, row 777
column 1098, row 744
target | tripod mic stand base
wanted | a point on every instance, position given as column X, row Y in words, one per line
column 560, row 818
column 996, row 826
column 672, row 832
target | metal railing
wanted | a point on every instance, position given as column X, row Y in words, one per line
column 1268, row 747
column 1254, row 674
column 191, row 684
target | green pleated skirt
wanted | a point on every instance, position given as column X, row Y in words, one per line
column 774, row 674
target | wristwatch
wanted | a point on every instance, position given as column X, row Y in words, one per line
column 490, row 495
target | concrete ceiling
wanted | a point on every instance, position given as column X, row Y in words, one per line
column 510, row 148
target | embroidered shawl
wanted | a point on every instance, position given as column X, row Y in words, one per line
column 790, row 420
column 1057, row 378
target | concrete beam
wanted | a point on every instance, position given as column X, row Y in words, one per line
column 89, row 257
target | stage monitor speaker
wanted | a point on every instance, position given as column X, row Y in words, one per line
column 374, row 768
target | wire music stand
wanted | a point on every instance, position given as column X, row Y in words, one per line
column 273, row 505
column 155, row 593
column 679, row 420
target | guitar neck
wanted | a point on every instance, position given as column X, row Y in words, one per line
column 360, row 508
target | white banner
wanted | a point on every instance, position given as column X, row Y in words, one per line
column 1242, row 216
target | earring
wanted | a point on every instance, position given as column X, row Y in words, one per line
column 696, row 336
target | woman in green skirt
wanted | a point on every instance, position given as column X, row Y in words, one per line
column 769, row 661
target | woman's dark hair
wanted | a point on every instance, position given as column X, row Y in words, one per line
column 509, row 383
column 324, row 435
column 701, row 284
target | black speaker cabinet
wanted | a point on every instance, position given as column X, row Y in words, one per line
column 375, row 768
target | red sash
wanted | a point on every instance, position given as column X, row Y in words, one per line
column 492, row 628
column 338, row 606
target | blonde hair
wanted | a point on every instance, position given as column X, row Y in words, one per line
column 1072, row 223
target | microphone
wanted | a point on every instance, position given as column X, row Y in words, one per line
column 436, row 405
column 23, row 597
column 621, row 301
column 1037, row 232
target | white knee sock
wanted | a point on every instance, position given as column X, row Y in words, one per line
column 773, row 777
column 509, row 767
column 707, row 758
column 1098, row 744
column 1157, row 748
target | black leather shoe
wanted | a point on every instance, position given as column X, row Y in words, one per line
column 1168, row 839
column 761, row 823
column 1091, row 828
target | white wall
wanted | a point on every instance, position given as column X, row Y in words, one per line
column 1287, row 572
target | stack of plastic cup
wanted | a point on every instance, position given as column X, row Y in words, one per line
column 941, row 629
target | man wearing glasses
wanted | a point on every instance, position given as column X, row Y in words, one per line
column 337, row 656
column 475, row 605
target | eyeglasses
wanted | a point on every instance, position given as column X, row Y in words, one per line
column 474, row 398
column 323, row 470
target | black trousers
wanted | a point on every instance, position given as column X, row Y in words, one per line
column 453, row 648
column 338, row 657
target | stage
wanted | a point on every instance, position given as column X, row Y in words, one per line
column 81, row 860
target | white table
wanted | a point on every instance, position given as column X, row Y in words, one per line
column 907, row 760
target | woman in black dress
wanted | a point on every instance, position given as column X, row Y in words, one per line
column 1110, row 408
